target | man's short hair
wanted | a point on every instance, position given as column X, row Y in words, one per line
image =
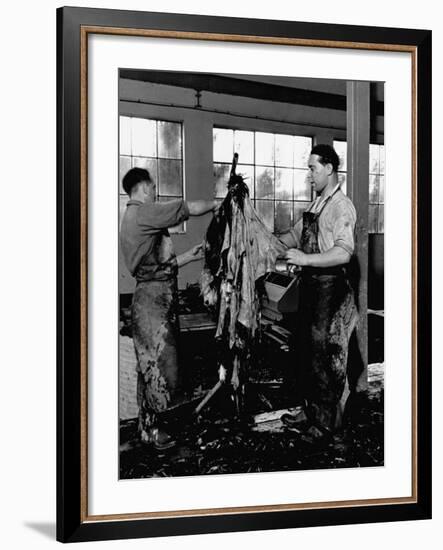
column 133, row 177
column 327, row 155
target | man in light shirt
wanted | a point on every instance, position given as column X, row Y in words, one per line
column 322, row 244
column 150, row 258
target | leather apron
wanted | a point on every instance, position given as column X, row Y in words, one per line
column 155, row 331
column 327, row 315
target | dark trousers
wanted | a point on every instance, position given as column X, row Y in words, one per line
column 325, row 320
column 155, row 334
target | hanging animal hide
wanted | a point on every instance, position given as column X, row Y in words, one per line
column 239, row 251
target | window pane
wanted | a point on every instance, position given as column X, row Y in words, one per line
column 169, row 140
column 248, row 175
column 342, row 180
column 125, row 135
column 374, row 159
column 170, row 177
column 381, row 219
column 283, row 183
column 381, row 196
column 264, row 148
column 341, row 148
column 265, row 211
column 283, row 216
column 149, row 164
column 180, row 228
column 244, row 146
column 267, row 162
column 264, row 186
column 382, row 159
column 302, row 150
column 299, row 208
column 221, row 178
column 142, row 146
column 373, row 189
column 124, row 165
column 223, row 145
column 284, row 150
column 144, row 138
column 302, row 185
column 373, row 218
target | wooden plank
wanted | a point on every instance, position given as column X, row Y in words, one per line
column 358, row 127
column 274, row 415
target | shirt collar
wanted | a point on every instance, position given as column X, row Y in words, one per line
column 320, row 200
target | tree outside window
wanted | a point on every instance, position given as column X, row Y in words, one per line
column 156, row 145
column 376, row 182
column 275, row 169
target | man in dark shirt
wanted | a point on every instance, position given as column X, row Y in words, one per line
column 149, row 256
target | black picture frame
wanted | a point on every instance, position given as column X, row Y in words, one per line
column 73, row 523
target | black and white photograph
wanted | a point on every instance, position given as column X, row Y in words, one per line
column 251, row 273
column 219, row 322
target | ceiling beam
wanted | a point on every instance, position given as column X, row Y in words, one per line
column 246, row 88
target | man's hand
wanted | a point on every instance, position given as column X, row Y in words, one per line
column 196, row 251
column 216, row 207
column 297, row 257
column 191, row 255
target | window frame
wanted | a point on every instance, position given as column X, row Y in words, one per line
column 181, row 229
column 294, row 168
column 379, row 205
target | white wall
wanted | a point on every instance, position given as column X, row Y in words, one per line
column 28, row 276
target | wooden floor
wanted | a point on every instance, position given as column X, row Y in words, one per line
column 217, row 442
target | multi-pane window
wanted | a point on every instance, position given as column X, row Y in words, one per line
column 275, row 168
column 376, row 182
column 341, row 148
column 156, row 145
column 376, row 188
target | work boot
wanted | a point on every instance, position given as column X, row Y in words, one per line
column 319, row 435
column 158, row 438
column 311, row 433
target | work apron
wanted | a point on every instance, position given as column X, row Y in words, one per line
column 326, row 318
column 155, row 330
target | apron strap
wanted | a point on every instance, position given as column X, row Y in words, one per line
column 325, row 202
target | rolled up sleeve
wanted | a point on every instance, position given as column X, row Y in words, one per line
column 343, row 229
column 162, row 215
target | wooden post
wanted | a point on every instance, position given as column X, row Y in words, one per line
column 358, row 123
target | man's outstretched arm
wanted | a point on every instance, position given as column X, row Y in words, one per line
column 198, row 208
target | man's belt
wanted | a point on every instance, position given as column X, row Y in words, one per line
column 338, row 271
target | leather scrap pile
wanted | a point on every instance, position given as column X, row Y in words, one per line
column 239, row 250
